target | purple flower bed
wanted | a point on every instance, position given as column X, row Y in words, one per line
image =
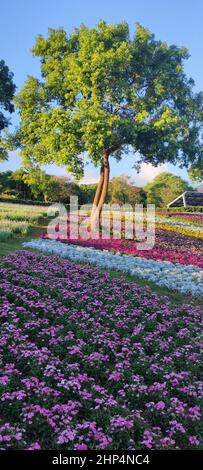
column 93, row 362
column 181, row 243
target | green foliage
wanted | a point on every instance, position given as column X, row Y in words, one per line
column 12, row 185
column 41, row 184
column 87, row 192
column 186, row 209
column 21, row 188
column 35, row 185
column 66, row 188
column 7, row 90
column 164, row 188
column 122, row 191
column 17, row 220
column 196, row 174
column 6, row 181
column 26, row 202
column 5, row 234
column 101, row 91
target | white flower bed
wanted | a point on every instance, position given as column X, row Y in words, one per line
column 185, row 279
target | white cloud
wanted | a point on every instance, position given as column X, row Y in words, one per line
column 147, row 173
column 90, row 177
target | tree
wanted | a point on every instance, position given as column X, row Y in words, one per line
column 6, row 182
column 87, row 192
column 22, row 190
column 41, row 184
column 12, row 185
column 103, row 93
column 164, row 188
column 66, row 188
column 122, row 191
column 7, row 90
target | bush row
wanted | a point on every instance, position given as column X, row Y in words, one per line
column 186, row 209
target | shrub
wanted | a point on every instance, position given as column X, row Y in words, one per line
column 186, row 209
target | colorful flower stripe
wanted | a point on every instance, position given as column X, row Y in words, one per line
column 185, row 279
column 192, row 217
column 187, row 215
column 195, row 218
column 179, row 223
column 130, row 247
column 177, row 242
column 189, row 232
column 128, row 380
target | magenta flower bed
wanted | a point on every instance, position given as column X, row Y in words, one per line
column 169, row 246
column 92, row 362
column 130, row 248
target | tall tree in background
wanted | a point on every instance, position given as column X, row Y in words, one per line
column 7, row 90
column 103, row 93
column 41, row 184
column 164, row 188
column 123, row 191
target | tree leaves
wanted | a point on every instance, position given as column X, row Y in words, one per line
column 7, row 90
column 101, row 91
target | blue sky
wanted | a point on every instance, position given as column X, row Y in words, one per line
column 178, row 22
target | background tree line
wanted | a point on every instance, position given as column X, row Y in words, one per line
column 36, row 185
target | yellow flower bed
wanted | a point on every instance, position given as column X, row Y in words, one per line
column 189, row 232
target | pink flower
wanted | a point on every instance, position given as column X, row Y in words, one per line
column 35, row 446
column 116, row 376
column 137, row 330
column 120, row 422
column 80, row 447
column 193, row 440
column 160, row 405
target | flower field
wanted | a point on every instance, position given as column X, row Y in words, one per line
column 130, row 379
column 17, row 219
column 176, row 255
column 175, row 261
column 185, row 279
column 101, row 234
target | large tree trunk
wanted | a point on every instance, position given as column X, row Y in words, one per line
column 102, row 190
column 98, row 191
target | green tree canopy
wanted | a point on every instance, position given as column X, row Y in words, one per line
column 164, row 188
column 103, row 93
column 41, row 184
column 6, row 181
column 196, row 173
column 123, row 191
column 7, row 90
